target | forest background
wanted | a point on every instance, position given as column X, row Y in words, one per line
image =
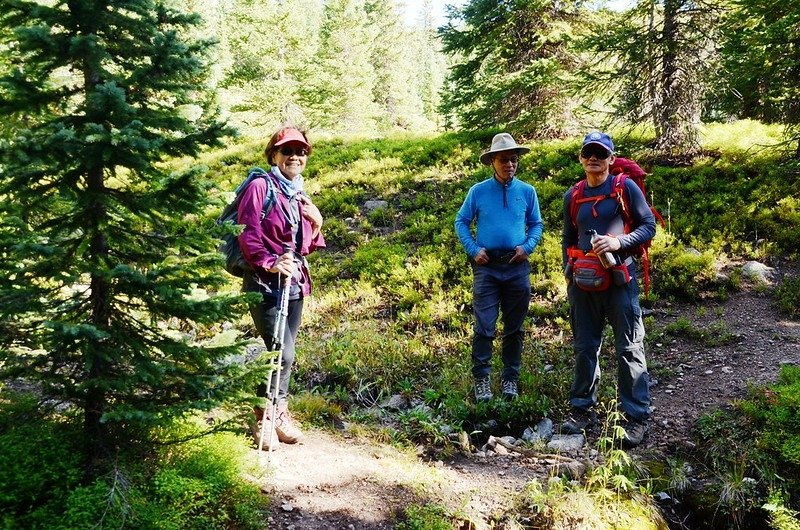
column 119, row 139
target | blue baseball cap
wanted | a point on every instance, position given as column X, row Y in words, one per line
column 599, row 138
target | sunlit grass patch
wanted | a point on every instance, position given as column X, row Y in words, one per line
column 743, row 136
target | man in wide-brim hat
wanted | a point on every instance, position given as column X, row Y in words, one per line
column 502, row 142
column 508, row 227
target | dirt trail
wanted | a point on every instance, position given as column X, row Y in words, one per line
column 334, row 482
column 699, row 378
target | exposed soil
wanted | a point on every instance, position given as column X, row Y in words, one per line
column 333, row 481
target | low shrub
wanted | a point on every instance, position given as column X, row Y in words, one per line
column 39, row 464
column 194, row 484
column 787, row 296
column 424, row 517
column 680, row 272
column 753, row 451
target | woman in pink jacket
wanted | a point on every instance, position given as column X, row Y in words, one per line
column 275, row 246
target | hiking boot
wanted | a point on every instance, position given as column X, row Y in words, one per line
column 510, row 392
column 634, row 433
column 269, row 430
column 483, row 390
column 578, row 421
column 287, row 431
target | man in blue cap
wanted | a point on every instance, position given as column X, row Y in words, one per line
column 508, row 228
column 596, row 225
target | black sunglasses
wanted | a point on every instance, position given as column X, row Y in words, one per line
column 299, row 151
column 599, row 152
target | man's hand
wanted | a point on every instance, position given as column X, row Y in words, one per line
column 519, row 256
column 606, row 244
column 482, row 258
column 284, row 265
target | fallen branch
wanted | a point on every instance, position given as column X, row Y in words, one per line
column 534, row 454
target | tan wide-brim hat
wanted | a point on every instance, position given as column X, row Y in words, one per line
column 502, row 142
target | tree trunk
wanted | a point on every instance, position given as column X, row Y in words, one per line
column 98, row 450
column 96, row 366
column 678, row 110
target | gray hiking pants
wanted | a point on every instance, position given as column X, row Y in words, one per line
column 589, row 312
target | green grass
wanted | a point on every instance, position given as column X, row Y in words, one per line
column 753, row 451
column 393, row 290
column 391, row 314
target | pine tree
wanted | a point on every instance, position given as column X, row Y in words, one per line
column 654, row 62
column 761, row 60
column 101, row 243
column 397, row 98
column 339, row 92
column 431, row 66
column 271, row 46
column 510, row 60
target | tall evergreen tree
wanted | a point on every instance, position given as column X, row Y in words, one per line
column 397, row 98
column 511, row 60
column 339, row 94
column 100, row 241
column 431, row 65
column 271, row 45
column 654, row 61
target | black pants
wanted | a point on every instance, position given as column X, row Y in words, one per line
column 264, row 315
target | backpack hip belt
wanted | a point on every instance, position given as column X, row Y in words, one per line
column 588, row 274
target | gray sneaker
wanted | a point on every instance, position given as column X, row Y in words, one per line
column 634, row 433
column 510, row 392
column 578, row 421
column 483, row 390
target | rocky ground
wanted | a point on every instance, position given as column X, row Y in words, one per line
column 336, row 482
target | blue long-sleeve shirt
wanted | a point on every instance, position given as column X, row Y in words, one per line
column 506, row 215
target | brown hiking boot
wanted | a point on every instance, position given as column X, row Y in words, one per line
column 287, row 431
column 256, row 430
column 578, row 421
column 635, row 431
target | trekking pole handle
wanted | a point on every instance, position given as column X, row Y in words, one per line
column 282, row 313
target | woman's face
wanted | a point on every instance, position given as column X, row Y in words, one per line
column 291, row 159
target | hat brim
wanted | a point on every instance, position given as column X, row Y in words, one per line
column 292, row 135
column 291, row 140
column 604, row 146
column 486, row 157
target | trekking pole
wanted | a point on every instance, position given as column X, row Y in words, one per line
column 277, row 341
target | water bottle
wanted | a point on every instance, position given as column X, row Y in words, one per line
column 607, row 259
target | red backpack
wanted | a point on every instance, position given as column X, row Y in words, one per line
column 621, row 170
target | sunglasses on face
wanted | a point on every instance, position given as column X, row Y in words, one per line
column 288, row 151
column 600, row 153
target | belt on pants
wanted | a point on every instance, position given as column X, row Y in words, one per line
column 501, row 256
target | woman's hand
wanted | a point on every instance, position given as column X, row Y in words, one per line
column 311, row 212
column 284, row 265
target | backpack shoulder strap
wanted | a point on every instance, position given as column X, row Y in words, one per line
column 269, row 198
column 578, row 198
column 575, row 200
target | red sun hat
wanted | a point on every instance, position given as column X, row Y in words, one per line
column 291, row 135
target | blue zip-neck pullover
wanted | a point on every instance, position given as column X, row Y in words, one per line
column 506, row 215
